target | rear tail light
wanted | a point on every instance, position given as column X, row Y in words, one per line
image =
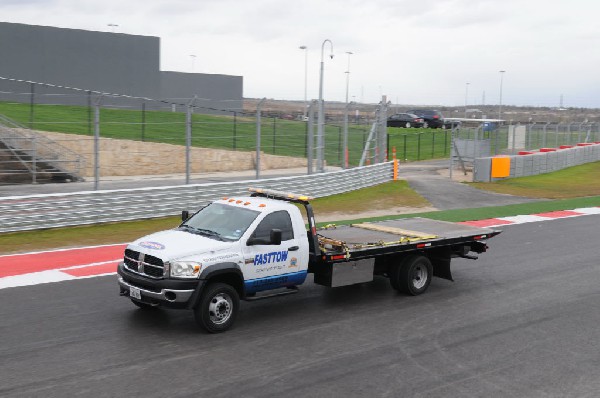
column 436, row 117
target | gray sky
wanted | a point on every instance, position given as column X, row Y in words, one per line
column 413, row 51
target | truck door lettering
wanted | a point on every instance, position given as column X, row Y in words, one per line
column 272, row 257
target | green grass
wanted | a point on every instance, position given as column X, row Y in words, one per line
column 278, row 137
column 492, row 212
column 573, row 182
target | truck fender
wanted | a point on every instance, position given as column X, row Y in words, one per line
column 229, row 273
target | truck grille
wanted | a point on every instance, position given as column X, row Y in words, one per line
column 144, row 264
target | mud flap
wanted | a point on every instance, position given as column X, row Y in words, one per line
column 441, row 268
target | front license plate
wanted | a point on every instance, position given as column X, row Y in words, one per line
column 135, row 293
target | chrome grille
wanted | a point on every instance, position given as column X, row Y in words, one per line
column 144, row 264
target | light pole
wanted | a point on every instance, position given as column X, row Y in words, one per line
column 305, row 77
column 500, row 102
column 345, row 148
column 466, row 97
column 321, row 120
column 112, row 26
column 193, row 56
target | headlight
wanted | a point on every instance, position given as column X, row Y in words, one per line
column 185, row 269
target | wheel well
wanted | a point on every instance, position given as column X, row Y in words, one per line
column 230, row 278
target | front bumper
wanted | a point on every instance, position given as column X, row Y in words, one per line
column 170, row 293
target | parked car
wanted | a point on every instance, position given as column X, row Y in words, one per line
column 405, row 120
column 432, row 118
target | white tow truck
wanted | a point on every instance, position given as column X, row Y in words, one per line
column 257, row 246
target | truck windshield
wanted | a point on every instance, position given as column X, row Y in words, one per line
column 220, row 221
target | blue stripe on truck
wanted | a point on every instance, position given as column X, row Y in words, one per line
column 274, row 282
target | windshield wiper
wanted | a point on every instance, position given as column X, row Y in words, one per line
column 209, row 232
column 201, row 231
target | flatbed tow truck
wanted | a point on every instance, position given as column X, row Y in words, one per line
column 257, row 246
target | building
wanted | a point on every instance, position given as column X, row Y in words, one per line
column 106, row 62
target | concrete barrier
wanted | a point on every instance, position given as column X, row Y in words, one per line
column 527, row 163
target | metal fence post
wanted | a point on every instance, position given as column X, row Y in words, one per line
column 274, row 135
column 34, row 160
column 143, row 120
column 258, row 137
column 31, row 104
column 345, row 143
column 311, row 136
column 188, row 138
column 97, row 142
column 234, row 129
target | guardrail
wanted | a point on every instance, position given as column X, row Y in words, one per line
column 32, row 212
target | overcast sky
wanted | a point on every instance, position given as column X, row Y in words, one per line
column 413, row 51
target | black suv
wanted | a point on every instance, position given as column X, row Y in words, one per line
column 433, row 119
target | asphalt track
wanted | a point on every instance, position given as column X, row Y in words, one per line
column 522, row 321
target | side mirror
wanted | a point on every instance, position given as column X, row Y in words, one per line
column 185, row 215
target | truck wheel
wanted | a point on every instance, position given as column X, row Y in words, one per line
column 218, row 308
column 412, row 276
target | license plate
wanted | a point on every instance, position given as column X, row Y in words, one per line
column 135, row 293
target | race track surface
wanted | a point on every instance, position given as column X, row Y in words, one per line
column 520, row 321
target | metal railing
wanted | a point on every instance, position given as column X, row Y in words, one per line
column 37, row 153
column 32, row 212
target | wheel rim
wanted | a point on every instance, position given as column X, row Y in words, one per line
column 220, row 308
column 419, row 277
column 407, row 125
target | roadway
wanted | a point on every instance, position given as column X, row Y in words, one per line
column 520, row 321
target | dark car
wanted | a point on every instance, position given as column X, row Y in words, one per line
column 405, row 120
column 432, row 118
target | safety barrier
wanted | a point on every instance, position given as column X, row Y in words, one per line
column 528, row 163
column 23, row 213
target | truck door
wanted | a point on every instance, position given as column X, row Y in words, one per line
column 274, row 266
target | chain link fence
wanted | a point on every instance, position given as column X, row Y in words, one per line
column 117, row 135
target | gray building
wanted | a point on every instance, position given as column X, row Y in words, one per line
column 106, row 62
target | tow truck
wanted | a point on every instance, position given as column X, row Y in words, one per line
column 257, row 246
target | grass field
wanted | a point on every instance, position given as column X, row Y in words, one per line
column 573, row 182
column 234, row 132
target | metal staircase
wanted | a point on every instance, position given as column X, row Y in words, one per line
column 29, row 157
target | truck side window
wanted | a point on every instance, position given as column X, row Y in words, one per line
column 277, row 220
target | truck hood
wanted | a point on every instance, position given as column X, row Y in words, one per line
column 174, row 244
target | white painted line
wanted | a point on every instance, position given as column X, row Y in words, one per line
column 588, row 210
column 63, row 250
column 94, row 276
column 90, row 264
column 524, row 219
column 34, row 278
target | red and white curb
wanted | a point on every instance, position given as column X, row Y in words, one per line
column 59, row 265
column 87, row 262
column 553, row 215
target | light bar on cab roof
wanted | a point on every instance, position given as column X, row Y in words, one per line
column 280, row 194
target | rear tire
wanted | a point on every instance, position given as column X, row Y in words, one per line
column 425, row 125
column 412, row 276
column 218, row 308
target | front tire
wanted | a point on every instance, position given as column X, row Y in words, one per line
column 407, row 125
column 218, row 308
column 412, row 276
column 425, row 125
